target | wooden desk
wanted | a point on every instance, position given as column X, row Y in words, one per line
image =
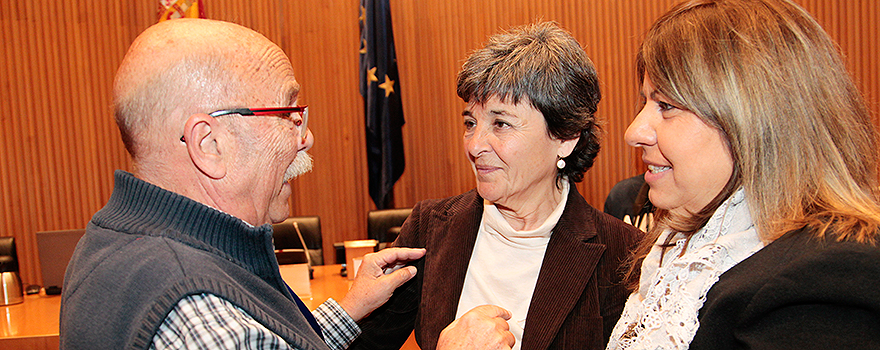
column 327, row 283
column 33, row 324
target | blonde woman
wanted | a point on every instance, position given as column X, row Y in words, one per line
column 762, row 164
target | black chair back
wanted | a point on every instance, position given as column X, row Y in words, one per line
column 8, row 256
column 288, row 245
column 384, row 225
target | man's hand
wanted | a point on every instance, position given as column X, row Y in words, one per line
column 373, row 287
column 483, row 327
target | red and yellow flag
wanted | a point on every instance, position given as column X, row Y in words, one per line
column 171, row 9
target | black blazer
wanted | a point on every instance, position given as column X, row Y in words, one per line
column 578, row 297
column 798, row 292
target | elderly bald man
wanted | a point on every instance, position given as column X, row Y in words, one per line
column 182, row 256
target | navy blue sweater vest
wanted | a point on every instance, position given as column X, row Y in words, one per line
column 147, row 249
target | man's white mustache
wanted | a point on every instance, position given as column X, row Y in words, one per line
column 301, row 165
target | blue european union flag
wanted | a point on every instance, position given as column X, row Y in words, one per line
column 380, row 87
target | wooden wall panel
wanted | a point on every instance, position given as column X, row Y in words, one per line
column 59, row 144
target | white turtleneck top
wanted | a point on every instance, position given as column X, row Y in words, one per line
column 505, row 263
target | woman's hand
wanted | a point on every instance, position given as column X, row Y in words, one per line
column 483, row 327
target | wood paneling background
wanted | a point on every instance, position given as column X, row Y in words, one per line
column 59, row 144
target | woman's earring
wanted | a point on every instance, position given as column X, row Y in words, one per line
column 560, row 163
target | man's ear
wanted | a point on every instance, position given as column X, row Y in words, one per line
column 567, row 146
column 203, row 137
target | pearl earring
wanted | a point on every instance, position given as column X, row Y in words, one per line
column 560, row 163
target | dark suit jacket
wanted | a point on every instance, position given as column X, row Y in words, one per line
column 577, row 300
column 628, row 197
column 799, row 292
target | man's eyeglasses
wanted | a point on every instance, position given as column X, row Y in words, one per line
column 283, row 112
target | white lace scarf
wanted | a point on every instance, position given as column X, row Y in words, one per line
column 663, row 313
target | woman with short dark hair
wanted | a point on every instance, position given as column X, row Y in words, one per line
column 525, row 239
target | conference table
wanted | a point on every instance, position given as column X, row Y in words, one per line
column 33, row 324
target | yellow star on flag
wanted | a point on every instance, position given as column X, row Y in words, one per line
column 388, row 86
column 363, row 46
column 371, row 74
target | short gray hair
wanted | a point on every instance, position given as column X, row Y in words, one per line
column 546, row 65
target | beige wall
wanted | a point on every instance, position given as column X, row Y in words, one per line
column 59, row 145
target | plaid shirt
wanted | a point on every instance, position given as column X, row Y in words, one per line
column 205, row 321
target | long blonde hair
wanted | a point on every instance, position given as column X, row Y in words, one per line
column 769, row 77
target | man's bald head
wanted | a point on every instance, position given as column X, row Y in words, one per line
column 185, row 66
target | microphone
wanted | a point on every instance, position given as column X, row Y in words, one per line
column 305, row 248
